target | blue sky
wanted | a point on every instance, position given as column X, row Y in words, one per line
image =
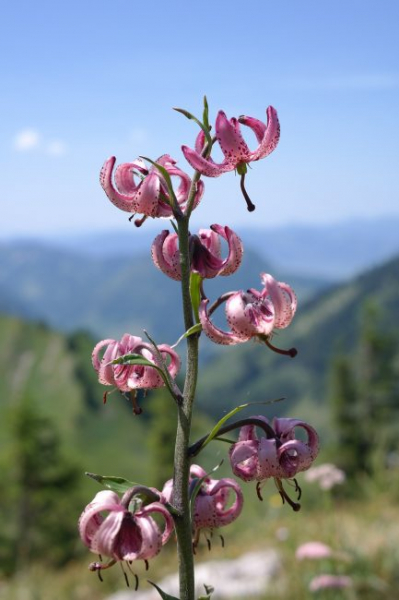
column 83, row 80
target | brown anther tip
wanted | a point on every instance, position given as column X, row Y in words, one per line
column 251, row 207
column 292, row 352
column 139, row 222
column 258, row 492
column 132, row 217
column 137, row 410
column 105, row 397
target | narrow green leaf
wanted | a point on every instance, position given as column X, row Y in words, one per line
column 194, row 329
column 163, row 594
column 116, row 484
column 205, row 114
column 230, row 414
column 204, row 128
column 195, row 293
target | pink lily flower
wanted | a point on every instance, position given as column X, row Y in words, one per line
column 235, row 150
column 211, row 508
column 281, row 457
column 205, row 250
column 130, row 377
column 148, row 195
column 253, row 313
column 122, row 534
column 327, row 582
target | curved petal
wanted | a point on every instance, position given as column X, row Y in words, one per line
column 147, row 196
column 124, row 176
column 122, row 201
column 258, row 127
column 165, row 254
column 198, row 472
column 91, row 517
column 271, row 136
column 205, row 166
column 268, row 463
column 231, row 142
column 244, row 460
column 225, row 517
column 94, row 355
column 294, row 456
column 104, row 540
column 151, row 537
column 175, row 363
column 236, row 250
column 283, row 299
column 159, row 508
column 227, row 338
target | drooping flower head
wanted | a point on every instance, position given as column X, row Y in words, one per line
column 253, row 313
column 138, row 189
column 109, row 527
column 205, row 251
column 212, row 508
column 127, row 377
column 281, row 456
column 236, row 151
column 233, row 145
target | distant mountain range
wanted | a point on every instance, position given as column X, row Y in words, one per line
column 111, row 295
column 329, row 252
column 327, row 325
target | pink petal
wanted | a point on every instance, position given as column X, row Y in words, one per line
column 247, row 316
column 271, row 136
column 268, row 463
column 225, row 517
column 205, row 166
column 243, row 459
column 236, row 250
column 283, row 299
column 165, row 254
column 159, row 508
column 214, row 333
column 230, row 139
column 147, row 196
column 122, row 201
column 124, row 176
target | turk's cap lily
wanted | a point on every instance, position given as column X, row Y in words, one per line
column 212, row 506
column 205, row 251
column 130, row 377
column 137, row 189
column 235, row 149
column 252, row 313
column 281, row 457
column 122, row 534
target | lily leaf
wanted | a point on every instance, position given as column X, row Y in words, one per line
column 163, row 594
column 205, row 114
column 137, row 359
column 230, row 414
column 195, row 293
column 204, row 127
column 194, row 329
column 116, row 484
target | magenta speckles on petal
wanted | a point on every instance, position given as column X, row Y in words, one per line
column 235, row 149
column 137, row 189
column 205, row 251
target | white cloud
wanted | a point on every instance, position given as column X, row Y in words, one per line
column 26, row 139
column 56, row 148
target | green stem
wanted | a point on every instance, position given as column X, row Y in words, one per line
column 181, row 500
